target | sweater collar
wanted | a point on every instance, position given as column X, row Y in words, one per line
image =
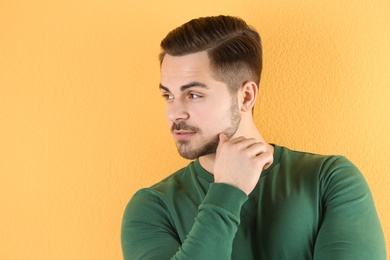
column 201, row 172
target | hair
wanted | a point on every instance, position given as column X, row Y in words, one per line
column 234, row 47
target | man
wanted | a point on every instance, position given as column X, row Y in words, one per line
column 241, row 198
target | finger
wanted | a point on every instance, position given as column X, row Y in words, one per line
column 243, row 143
column 237, row 140
column 222, row 138
column 267, row 165
column 266, row 159
column 247, row 143
column 255, row 148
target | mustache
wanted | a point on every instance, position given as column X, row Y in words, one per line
column 183, row 126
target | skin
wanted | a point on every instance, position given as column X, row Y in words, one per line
column 208, row 122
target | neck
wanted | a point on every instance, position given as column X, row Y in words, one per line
column 207, row 161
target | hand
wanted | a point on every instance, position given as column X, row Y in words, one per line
column 240, row 161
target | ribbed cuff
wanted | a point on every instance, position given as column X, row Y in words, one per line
column 226, row 196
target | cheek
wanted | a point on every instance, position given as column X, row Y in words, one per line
column 211, row 117
column 168, row 119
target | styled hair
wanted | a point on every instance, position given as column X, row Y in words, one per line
column 233, row 47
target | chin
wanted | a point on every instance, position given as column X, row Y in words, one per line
column 191, row 154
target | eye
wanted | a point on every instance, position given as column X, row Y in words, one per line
column 167, row 96
column 194, row 96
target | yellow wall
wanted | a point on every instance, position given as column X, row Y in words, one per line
column 82, row 123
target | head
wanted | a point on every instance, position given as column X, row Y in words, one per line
column 204, row 64
column 233, row 47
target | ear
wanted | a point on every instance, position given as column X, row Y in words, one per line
column 249, row 92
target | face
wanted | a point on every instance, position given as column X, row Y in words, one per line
column 198, row 107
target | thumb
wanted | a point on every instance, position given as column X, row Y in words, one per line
column 222, row 138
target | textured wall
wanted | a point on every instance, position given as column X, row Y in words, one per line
column 82, row 124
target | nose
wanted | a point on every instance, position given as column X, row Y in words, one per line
column 177, row 112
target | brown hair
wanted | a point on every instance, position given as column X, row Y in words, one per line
column 234, row 48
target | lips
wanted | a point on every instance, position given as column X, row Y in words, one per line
column 182, row 134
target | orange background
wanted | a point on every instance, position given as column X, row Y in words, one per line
column 82, row 123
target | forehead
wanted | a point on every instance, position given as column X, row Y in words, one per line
column 178, row 70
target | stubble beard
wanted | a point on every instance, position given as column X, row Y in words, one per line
column 186, row 149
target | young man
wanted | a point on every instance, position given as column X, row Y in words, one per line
column 241, row 198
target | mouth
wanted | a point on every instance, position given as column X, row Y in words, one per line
column 182, row 134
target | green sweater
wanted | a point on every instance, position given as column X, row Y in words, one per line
column 305, row 206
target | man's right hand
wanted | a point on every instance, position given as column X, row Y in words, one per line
column 240, row 161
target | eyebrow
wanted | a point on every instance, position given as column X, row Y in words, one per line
column 186, row 86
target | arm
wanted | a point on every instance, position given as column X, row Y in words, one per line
column 350, row 228
column 148, row 231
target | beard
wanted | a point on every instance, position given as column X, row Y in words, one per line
column 186, row 149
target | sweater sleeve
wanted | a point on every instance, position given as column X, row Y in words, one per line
column 148, row 231
column 350, row 227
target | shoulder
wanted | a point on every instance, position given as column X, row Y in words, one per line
column 160, row 194
column 327, row 170
column 320, row 163
column 175, row 181
column 168, row 188
column 335, row 174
